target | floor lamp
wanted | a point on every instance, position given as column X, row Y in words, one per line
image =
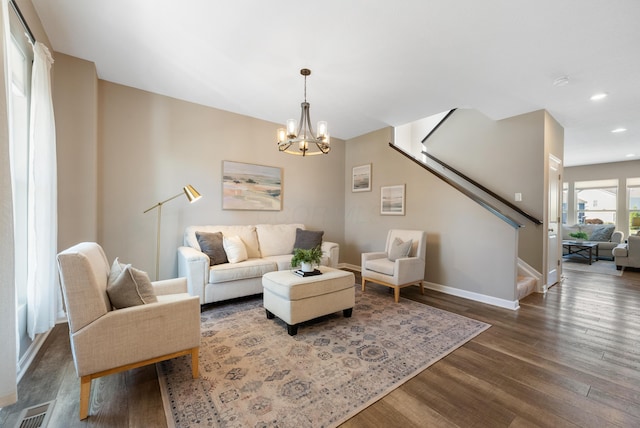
column 192, row 194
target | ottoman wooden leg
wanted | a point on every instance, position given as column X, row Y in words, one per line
column 347, row 312
column 270, row 316
column 292, row 329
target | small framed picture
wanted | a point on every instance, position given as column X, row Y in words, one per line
column 361, row 178
column 392, row 200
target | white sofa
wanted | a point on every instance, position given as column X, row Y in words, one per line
column 604, row 234
column 269, row 248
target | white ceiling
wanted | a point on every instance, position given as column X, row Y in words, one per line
column 375, row 62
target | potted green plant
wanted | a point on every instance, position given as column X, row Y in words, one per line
column 306, row 258
column 579, row 235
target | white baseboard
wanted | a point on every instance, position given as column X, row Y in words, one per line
column 30, row 354
column 477, row 297
column 482, row 298
column 349, row 266
column 9, row 399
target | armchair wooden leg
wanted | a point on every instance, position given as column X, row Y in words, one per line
column 85, row 395
column 363, row 281
column 396, row 294
column 421, row 288
column 195, row 358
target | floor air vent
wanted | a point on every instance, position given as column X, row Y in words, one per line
column 36, row 416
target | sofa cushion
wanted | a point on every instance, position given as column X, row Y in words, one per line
column 292, row 287
column 235, row 249
column 399, row 249
column 128, row 286
column 308, row 239
column 283, row 262
column 382, row 265
column 211, row 244
column 276, row 239
column 251, row 268
column 602, row 232
column 247, row 233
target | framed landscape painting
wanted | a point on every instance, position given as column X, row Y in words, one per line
column 392, row 200
column 247, row 186
column 361, row 178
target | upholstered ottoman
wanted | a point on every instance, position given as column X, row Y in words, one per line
column 295, row 299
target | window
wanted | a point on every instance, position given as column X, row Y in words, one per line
column 20, row 62
column 596, row 201
column 633, row 204
column 565, row 202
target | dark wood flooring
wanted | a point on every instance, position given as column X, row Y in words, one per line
column 568, row 358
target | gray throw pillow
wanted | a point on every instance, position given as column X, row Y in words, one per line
column 602, row 233
column 128, row 286
column 399, row 249
column 307, row 239
column 212, row 245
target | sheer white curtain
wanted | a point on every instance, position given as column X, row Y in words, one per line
column 43, row 220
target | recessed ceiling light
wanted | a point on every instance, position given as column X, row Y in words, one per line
column 596, row 97
column 630, row 155
column 618, row 130
column 561, row 81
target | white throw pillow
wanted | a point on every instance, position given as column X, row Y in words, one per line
column 276, row 239
column 235, row 249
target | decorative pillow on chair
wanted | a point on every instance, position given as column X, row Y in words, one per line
column 235, row 249
column 399, row 249
column 128, row 286
column 212, row 245
column 307, row 239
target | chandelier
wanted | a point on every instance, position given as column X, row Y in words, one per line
column 302, row 141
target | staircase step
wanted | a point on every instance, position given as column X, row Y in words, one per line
column 526, row 286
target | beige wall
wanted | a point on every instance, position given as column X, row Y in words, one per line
column 8, row 360
column 75, row 99
column 150, row 146
column 506, row 156
column 468, row 248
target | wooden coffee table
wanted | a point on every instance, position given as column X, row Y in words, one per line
column 582, row 249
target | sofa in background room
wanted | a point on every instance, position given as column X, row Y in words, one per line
column 604, row 234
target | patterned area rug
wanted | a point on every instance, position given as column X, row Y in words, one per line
column 253, row 374
column 605, row 267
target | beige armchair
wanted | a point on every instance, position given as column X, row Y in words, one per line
column 628, row 254
column 395, row 270
column 106, row 341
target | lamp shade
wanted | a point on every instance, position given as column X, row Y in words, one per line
column 192, row 194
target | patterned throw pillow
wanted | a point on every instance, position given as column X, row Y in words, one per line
column 128, row 286
column 602, row 233
column 212, row 245
column 399, row 249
